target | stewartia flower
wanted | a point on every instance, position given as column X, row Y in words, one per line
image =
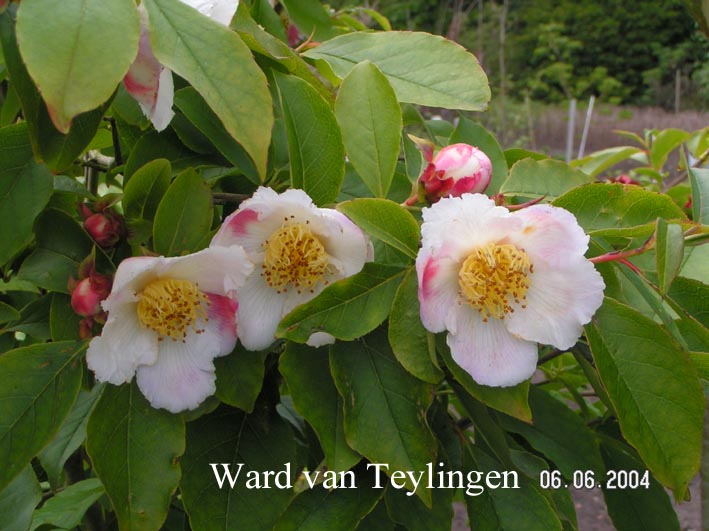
column 104, row 225
column 453, row 171
column 501, row 282
column 88, row 293
column 149, row 82
column 167, row 319
column 298, row 249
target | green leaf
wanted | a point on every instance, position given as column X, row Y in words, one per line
column 189, row 101
column 534, row 178
column 8, row 313
column 169, row 146
column 66, row 509
column 145, row 189
column 38, row 386
column 510, row 400
column 385, row 407
column 34, row 319
column 508, row 509
column 635, row 509
column 385, row 220
column 183, row 216
column 654, row 389
column 135, row 452
column 453, row 78
column 266, row 42
column 61, row 246
column 25, row 188
column 240, row 377
column 220, row 67
column 699, row 180
column 311, row 18
column 370, row 119
column 64, row 323
column 58, row 151
column 408, row 338
column 609, row 206
column 66, row 54
column 347, row 309
column 663, row 143
column 669, row 247
column 317, row 156
column 693, row 296
column 559, row 434
column 307, row 373
column 411, row 512
column 339, row 509
column 469, row 132
column 70, row 436
column 599, row 161
column 18, row 500
column 231, row 437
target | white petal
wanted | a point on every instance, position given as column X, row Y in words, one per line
column 162, row 113
column 122, row 346
column 260, row 311
column 221, row 11
column 219, row 270
column 183, row 375
column 344, row 241
column 551, row 234
column 149, row 82
column 460, row 224
column 319, row 339
column 559, row 303
column 131, row 277
column 488, row 352
column 438, row 288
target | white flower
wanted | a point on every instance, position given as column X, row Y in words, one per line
column 501, row 282
column 298, row 249
column 167, row 319
column 148, row 81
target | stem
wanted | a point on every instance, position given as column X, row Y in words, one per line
column 681, row 176
column 622, row 256
column 116, row 142
column 548, row 357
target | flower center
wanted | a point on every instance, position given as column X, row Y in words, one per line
column 493, row 277
column 293, row 255
column 170, row 307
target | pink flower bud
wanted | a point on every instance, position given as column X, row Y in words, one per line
column 106, row 228
column 455, row 170
column 88, row 293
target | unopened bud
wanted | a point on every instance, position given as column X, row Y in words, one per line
column 453, row 171
column 88, row 293
column 106, row 228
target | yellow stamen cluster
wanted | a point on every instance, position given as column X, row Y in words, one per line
column 494, row 276
column 294, row 255
column 170, row 307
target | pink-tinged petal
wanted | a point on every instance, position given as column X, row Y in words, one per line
column 559, row 302
column 222, row 322
column 488, row 352
column 319, row 339
column 122, row 346
column 221, row 11
column 260, row 311
column 551, row 234
column 219, row 270
column 438, row 289
column 247, row 227
column 150, row 83
column 344, row 241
